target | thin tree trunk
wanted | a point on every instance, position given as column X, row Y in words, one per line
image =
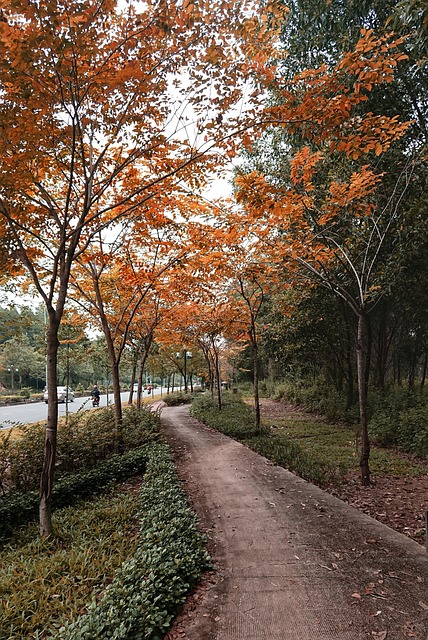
column 362, row 395
column 48, row 469
column 424, row 370
column 131, row 391
column 117, row 401
column 256, row 384
column 218, row 377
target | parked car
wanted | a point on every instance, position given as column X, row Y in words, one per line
column 63, row 395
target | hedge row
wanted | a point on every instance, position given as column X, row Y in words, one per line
column 20, row 507
column 148, row 590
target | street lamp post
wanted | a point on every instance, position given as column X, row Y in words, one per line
column 12, row 370
column 186, row 354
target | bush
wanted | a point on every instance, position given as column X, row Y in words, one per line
column 149, row 588
column 236, row 419
column 406, row 429
column 175, row 399
column 19, row 507
column 86, row 439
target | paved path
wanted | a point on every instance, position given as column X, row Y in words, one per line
column 293, row 562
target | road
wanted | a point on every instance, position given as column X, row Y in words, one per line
column 12, row 415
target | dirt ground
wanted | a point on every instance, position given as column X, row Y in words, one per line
column 399, row 503
column 291, row 561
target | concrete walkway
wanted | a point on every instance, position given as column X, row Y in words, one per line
column 292, row 561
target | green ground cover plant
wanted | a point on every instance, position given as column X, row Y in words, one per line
column 148, row 589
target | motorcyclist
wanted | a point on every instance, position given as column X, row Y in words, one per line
column 95, row 394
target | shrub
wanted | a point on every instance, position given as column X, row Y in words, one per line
column 19, row 507
column 86, row 439
column 236, row 419
column 406, row 429
column 175, row 399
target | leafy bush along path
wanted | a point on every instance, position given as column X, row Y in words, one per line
column 398, row 496
column 292, row 561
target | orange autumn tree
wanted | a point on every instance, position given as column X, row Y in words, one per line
column 321, row 222
column 95, row 118
column 113, row 280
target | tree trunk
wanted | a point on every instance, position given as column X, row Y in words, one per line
column 48, row 469
column 133, row 374
column 256, row 384
column 424, row 370
column 362, row 395
column 218, row 377
column 117, row 401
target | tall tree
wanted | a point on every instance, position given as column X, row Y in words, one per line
column 322, row 218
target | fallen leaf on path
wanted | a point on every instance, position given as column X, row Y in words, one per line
column 356, row 595
column 380, row 635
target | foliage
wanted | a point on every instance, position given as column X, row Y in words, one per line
column 144, row 572
column 174, row 399
column 235, row 419
column 148, row 589
column 86, row 439
column 19, row 507
column 406, row 429
column 315, row 395
column 45, row 581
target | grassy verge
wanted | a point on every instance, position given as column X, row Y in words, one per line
column 119, row 567
column 327, row 442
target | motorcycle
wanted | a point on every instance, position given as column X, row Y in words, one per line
column 95, row 401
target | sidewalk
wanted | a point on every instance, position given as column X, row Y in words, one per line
column 292, row 561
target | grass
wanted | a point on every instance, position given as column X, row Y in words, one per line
column 45, row 581
column 325, row 442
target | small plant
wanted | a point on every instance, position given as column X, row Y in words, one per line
column 175, row 399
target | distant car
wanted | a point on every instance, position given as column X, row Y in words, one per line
column 62, row 395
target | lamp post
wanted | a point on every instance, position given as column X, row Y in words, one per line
column 12, row 370
column 186, row 354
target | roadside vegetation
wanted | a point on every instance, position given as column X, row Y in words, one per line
column 123, row 556
column 319, row 451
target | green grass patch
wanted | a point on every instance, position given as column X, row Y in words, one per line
column 46, row 581
column 327, row 442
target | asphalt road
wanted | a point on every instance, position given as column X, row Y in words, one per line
column 12, row 415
